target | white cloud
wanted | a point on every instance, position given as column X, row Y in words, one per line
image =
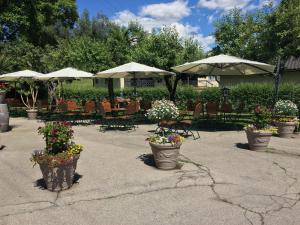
column 223, row 4
column 167, row 11
column 156, row 16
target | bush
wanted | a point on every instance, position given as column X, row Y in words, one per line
column 285, row 108
column 250, row 94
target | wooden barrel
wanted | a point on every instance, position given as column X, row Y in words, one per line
column 4, row 118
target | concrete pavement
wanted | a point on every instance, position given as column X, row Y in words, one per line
column 220, row 182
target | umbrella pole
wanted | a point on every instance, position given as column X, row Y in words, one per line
column 111, row 93
column 134, row 84
column 277, row 78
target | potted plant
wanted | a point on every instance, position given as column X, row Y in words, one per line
column 3, row 89
column 165, row 150
column 59, row 159
column 28, row 90
column 163, row 111
column 286, row 117
column 260, row 132
column 297, row 129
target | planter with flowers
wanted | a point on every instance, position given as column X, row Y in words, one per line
column 297, row 130
column 59, row 159
column 165, row 150
column 260, row 132
column 3, row 89
column 165, row 146
column 286, row 117
column 163, row 112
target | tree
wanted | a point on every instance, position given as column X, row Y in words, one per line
column 84, row 53
column 23, row 55
column 286, row 25
column 36, row 21
column 239, row 34
column 164, row 50
column 263, row 35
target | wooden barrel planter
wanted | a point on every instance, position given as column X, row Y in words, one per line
column 4, row 118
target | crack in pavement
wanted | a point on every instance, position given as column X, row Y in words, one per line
column 201, row 172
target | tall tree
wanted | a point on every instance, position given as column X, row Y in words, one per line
column 37, row 21
column 165, row 49
column 261, row 35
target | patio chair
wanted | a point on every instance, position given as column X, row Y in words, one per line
column 239, row 110
column 128, row 119
column 226, row 109
column 145, row 105
column 212, row 109
column 89, row 109
column 107, row 119
column 187, row 125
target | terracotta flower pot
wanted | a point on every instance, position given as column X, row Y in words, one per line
column 165, row 155
column 2, row 97
column 59, row 177
column 285, row 129
column 258, row 140
column 32, row 114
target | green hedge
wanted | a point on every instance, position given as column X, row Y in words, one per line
column 248, row 93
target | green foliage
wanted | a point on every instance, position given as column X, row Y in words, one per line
column 57, row 136
column 23, row 55
column 84, row 53
column 262, row 117
column 36, row 21
column 262, row 35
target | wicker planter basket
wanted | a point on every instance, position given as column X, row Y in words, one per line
column 165, row 155
column 60, row 177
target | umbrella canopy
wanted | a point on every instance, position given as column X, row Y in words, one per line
column 133, row 70
column 19, row 75
column 224, row 65
column 65, row 74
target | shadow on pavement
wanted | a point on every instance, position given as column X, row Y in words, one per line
column 148, row 159
column 40, row 183
column 243, row 146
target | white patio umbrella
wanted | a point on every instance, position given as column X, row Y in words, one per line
column 225, row 65
column 65, row 74
column 132, row 70
column 19, row 75
column 68, row 73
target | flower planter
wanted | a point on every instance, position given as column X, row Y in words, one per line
column 2, row 97
column 285, row 129
column 258, row 140
column 61, row 176
column 165, row 155
column 32, row 114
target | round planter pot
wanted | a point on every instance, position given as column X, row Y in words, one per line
column 285, row 129
column 32, row 114
column 2, row 97
column 4, row 118
column 165, row 155
column 257, row 140
column 60, row 177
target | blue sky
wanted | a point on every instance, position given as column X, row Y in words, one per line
column 191, row 18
